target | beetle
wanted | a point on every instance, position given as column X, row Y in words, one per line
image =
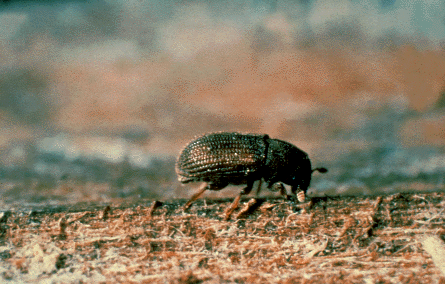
column 223, row 158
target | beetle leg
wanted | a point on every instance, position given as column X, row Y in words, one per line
column 260, row 182
column 204, row 187
column 196, row 196
column 279, row 186
column 283, row 192
column 247, row 207
column 235, row 202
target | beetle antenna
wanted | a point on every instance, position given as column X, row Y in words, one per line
column 321, row 170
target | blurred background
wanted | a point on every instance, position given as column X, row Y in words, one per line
column 97, row 98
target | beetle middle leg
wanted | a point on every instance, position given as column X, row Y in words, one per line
column 258, row 190
column 279, row 186
column 202, row 189
column 235, row 202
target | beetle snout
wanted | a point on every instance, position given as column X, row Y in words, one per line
column 299, row 192
column 301, row 196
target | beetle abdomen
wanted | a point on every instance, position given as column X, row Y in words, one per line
column 221, row 155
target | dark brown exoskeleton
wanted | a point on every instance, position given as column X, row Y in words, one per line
column 220, row 159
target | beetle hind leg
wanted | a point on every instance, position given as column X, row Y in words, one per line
column 195, row 196
column 202, row 189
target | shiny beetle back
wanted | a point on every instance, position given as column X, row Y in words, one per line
column 221, row 155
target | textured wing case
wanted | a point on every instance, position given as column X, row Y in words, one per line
column 221, row 155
